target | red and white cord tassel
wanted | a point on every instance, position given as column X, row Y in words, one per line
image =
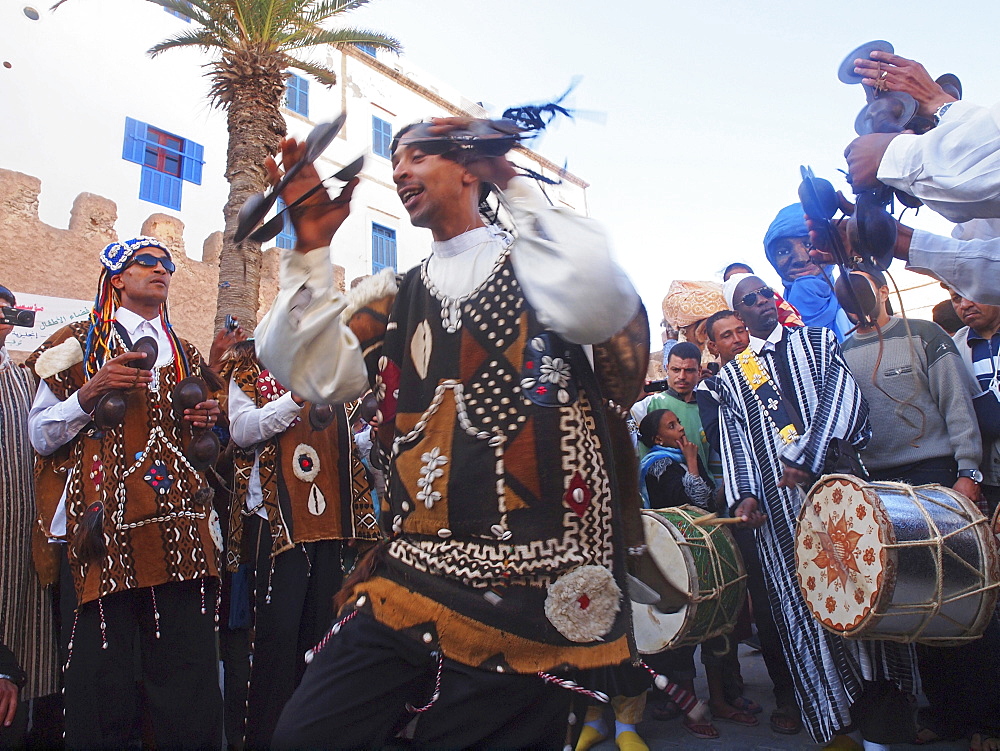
column 329, row 635
column 685, row 700
column 573, row 686
column 437, row 689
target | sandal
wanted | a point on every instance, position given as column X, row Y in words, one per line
column 983, row 740
column 745, row 704
column 665, row 712
column 786, row 721
column 745, row 719
column 704, row 730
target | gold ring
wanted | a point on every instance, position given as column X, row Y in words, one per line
column 885, row 74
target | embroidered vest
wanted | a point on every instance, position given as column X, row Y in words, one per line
column 507, row 544
column 309, row 478
column 157, row 507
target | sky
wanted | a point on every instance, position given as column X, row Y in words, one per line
column 708, row 107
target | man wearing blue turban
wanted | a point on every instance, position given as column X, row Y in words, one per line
column 808, row 287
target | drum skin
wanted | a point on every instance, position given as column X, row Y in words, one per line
column 886, row 560
column 703, row 561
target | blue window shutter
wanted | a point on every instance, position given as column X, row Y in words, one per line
column 297, row 95
column 135, row 141
column 160, row 188
column 381, row 137
column 193, row 159
column 383, row 248
column 285, row 238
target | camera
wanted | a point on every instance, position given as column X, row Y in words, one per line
column 18, row 317
column 654, row 386
column 232, row 323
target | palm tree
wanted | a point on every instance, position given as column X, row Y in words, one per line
column 254, row 42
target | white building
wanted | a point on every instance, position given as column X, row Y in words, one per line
column 87, row 110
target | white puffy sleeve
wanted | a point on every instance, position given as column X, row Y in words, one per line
column 564, row 265
column 302, row 340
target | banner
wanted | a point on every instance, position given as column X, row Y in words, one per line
column 51, row 314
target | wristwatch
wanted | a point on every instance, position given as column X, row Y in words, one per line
column 973, row 474
column 939, row 112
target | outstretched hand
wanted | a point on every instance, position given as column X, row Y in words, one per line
column 894, row 73
column 319, row 217
column 864, row 156
column 117, row 374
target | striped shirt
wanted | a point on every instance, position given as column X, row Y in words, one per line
column 828, row 671
column 985, row 358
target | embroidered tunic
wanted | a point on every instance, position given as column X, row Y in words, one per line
column 309, row 479
column 827, row 669
column 156, row 505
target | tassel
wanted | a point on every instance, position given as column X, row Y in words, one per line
column 88, row 542
column 362, row 572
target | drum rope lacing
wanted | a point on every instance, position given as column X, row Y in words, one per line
column 932, row 609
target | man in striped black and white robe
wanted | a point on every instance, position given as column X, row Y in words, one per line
column 764, row 476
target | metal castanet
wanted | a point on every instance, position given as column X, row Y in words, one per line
column 256, row 206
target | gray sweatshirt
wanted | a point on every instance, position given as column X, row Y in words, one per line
column 919, row 397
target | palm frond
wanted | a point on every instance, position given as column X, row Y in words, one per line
column 320, row 11
column 321, row 73
column 341, row 37
column 193, row 38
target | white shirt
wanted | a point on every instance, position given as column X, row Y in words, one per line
column 53, row 423
column 562, row 261
column 969, row 262
column 954, row 168
column 770, row 343
column 250, row 425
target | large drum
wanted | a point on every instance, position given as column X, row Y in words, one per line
column 884, row 560
column 703, row 561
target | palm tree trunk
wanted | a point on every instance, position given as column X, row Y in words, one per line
column 256, row 128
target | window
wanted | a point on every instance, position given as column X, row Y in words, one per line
column 368, row 49
column 381, row 137
column 177, row 13
column 285, row 238
column 167, row 162
column 383, row 248
column 297, row 94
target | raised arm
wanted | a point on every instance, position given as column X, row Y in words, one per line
column 302, row 339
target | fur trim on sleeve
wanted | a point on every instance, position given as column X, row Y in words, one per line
column 59, row 358
column 383, row 284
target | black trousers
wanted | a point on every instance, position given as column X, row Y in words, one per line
column 355, row 691
column 960, row 683
column 293, row 608
column 172, row 680
column 763, row 617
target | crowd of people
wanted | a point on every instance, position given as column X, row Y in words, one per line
column 413, row 511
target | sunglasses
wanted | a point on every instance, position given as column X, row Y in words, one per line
column 149, row 261
column 751, row 297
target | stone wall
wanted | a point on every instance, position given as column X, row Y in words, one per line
column 43, row 260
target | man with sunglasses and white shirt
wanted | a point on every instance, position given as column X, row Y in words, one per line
column 784, row 400
column 116, row 483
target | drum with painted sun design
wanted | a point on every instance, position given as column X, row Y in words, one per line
column 885, row 560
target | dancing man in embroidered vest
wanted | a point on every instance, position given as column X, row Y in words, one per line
column 294, row 503
column 784, row 399
column 129, row 428
column 508, row 545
